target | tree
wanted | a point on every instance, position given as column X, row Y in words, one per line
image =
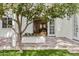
column 1, row 10
column 32, row 11
column 62, row 10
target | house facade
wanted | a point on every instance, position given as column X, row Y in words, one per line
column 66, row 27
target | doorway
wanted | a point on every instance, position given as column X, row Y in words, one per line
column 40, row 27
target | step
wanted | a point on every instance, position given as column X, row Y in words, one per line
column 74, row 50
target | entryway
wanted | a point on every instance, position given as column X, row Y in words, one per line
column 40, row 27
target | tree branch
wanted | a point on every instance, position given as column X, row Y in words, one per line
column 21, row 21
column 26, row 26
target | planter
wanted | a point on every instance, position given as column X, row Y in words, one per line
column 34, row 39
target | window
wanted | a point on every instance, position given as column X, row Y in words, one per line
column 52, row 27
column 7, row 23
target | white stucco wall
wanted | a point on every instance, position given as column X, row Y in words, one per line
column 64, row 27
column 58, row 27
column 68, row 28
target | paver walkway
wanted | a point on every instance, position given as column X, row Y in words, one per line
column 5, row 43
column 51, row 43
column 55, row 43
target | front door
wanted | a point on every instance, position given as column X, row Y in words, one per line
column 51, row 28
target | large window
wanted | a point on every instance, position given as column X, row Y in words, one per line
column 7, row 23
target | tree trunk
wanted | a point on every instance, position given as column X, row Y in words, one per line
column 19, row 35
column 19, row 43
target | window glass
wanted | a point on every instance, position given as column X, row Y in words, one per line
column 6, row 22
column 52, row 27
